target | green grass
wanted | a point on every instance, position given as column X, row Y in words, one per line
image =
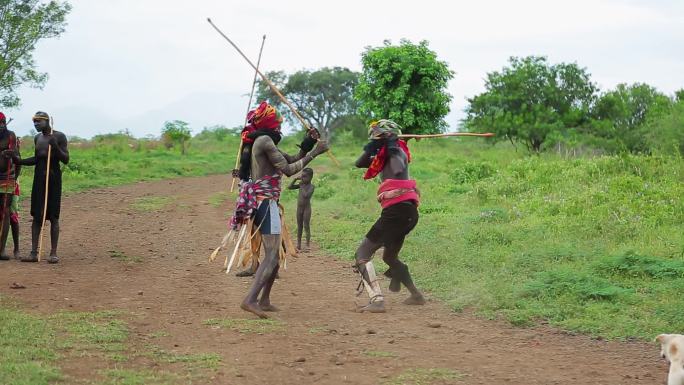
column 27, row 348
column 260, row 326
column 200, row 360
column 151, row 203
column 92, row 332
column 218, row 199
column 425, row 377
column 117, row 159
column 30, row 345
column 594, row 245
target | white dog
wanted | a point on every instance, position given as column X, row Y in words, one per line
column 672, row 349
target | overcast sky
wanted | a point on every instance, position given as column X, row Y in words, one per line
column 136, row 63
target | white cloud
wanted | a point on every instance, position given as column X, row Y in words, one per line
column 132, row 62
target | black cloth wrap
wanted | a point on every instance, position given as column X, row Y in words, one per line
column 245, row 170
column 394, row 224
column 54, row 200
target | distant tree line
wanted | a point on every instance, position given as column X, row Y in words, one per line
column 542, row 105
column 529, row 102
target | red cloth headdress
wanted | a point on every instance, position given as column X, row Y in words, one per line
column 264, row 117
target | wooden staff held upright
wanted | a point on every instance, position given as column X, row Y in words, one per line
column 249, row 104
column 45, row 201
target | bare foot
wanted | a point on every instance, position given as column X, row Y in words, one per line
column 375, row 307
column 253, row 308
column 16, row 254
column 415, row 300
column 268, row 307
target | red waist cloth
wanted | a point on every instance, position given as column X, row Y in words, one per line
column 393, row 191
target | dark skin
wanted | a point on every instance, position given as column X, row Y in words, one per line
column 395, row 168
column 268, row 269
column 306, row 190
column 6, row 162
column 58, row 142
column 314, row 134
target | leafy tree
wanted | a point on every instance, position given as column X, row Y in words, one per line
column 679, row 95
column 176, row 132
column 621, row 114
column 531, row 100
column 405, row 83
column 22, row 24
column 320, row 96
column 665, row 133
column 217, row 133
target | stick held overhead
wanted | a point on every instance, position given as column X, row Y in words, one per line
column 249, row 104
column 271, row 86
column 412, row 136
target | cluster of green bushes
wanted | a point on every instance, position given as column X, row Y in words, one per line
column 556, row 106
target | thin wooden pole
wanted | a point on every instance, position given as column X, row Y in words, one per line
column 249, row 104
column 273, row 88
column 411, row 136
column 45, row 201
column 237, row 247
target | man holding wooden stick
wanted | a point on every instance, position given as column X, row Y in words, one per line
column 45, row 205
column 388, row 157
column 259, row 194
column 9, row 170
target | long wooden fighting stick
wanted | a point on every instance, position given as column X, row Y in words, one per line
column 45, row 201
column 273, row 88
column 249, row 104
column 411, row 136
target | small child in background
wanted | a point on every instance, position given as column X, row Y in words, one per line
column 306, row 190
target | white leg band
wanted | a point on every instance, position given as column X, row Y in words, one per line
column 372, row 287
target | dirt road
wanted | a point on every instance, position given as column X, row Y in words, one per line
column 148, row 258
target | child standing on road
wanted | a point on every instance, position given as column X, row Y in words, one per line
column 306, row 190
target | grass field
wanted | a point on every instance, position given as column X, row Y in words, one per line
column 589, row 245
column 593, row 245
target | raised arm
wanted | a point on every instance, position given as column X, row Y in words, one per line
column 305, row 147
column 280, row 162
column 294, row 185
column 369, row 152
